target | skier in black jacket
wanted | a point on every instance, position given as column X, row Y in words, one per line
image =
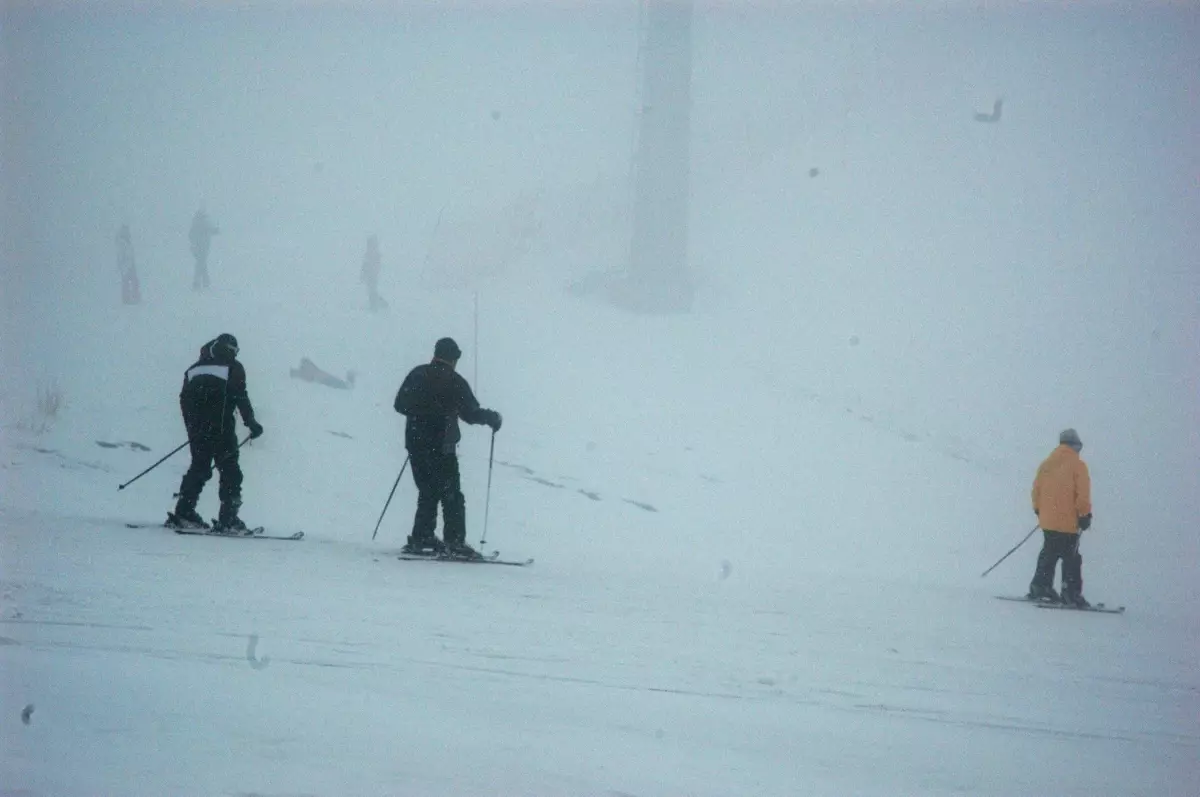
column 433, row 398
column 212, row 388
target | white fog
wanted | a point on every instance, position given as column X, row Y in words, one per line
column 779, row 341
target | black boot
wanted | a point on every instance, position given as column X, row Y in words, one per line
column 423, row 546
column 1039, row 592
column 1072, row 596
column 460, row 550
column 185, row 516
column 228, row 521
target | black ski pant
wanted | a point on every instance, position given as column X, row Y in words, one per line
column 1059, row 545
column 209, row 450
column 437, row 478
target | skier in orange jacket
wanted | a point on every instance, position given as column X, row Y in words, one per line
column 1062, row 500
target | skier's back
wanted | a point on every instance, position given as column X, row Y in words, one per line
column 1062, row 500
column 212, row 388
column 433, row 398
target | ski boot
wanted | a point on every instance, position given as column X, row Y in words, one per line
column 1043, row 594
column 460, row 550
column 232, row 526
column 185, row 518
column 423, row 546
column 1075, row 599
column 228, row 522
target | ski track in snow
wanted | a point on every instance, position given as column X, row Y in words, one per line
column 809, row 689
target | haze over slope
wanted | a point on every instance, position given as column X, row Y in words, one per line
column 758, row 525
column 967, row 289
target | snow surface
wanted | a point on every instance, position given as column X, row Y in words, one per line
column 759, row 526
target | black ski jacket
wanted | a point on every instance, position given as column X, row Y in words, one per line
column 433, row 398
column 212, row 388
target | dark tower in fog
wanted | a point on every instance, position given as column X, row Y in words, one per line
column 659, row 280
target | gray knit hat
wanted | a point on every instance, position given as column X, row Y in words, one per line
column 1070, row 437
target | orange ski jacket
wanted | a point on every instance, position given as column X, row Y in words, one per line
column 1062, row 491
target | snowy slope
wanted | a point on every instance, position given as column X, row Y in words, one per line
column 758, row 527
column 713, row 610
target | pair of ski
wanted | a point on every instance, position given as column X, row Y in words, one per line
column 259, row 533
column 492, row 558
column 1046, row 604
column 256, row 533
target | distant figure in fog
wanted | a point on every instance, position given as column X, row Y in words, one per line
column 200, row 237
column 370, row 275
column 309, row 372
column 994, row 116
column 131, row 292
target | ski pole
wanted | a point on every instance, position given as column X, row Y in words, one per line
column 487, row 501
column 389, row 501
column 1010, row 553
column 152, row 467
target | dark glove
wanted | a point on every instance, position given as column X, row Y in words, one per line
column 255, row 428
column 1039, row 514
column 1085, row 522
column 494, row 420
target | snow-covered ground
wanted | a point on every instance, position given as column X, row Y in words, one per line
column 701, row 618
column 372, row 676
column 758, row 527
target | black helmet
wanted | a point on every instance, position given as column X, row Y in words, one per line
column 447, row 349
column 223, row 347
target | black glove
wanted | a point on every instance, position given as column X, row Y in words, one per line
column 494, row 420
column 1085, row 522
column 1039, row 514
column 255, row 428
